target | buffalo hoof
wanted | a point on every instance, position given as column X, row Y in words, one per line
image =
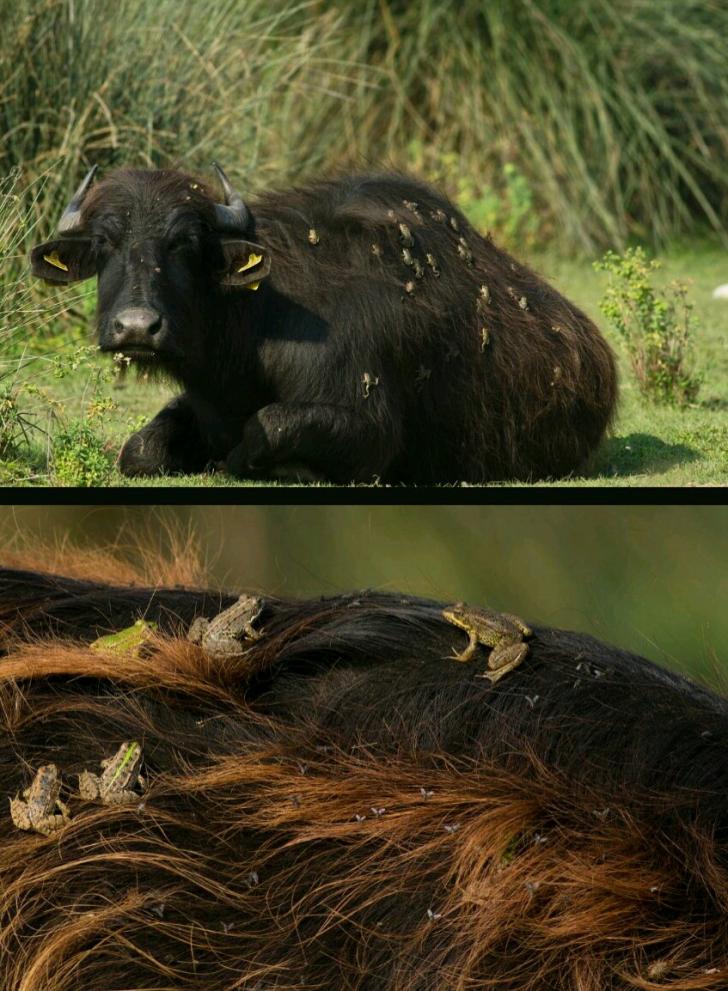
column 296, row 473
column 239, row 465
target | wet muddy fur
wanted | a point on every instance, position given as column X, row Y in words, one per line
column 346, row 807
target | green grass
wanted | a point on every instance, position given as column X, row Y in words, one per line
column 658, row 445
column 649, row 445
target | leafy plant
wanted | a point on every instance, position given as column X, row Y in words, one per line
column 80, row 457
column 16, row 421
column 12, row 425
column 503, row 206
column 655, row 324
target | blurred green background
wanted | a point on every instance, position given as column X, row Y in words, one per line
column 652, row 579
column 608, row 116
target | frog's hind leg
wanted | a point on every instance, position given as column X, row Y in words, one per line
column 54, row 823
column 89, row 785
column 198, row 629
column 123, row 797
column 509, row 658
column 517, row 621
column 19, row 813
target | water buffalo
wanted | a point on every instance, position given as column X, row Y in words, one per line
column 352, row 329
column 345, row 805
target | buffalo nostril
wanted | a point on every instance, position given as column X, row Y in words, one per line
column 155, row 325
column 136, row 325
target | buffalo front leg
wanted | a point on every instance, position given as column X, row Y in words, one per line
column 335, row 443
column 176, row 441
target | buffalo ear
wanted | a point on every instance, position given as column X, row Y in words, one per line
column 245, row 265
column 63, row 260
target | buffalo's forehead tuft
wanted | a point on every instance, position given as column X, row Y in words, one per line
column 147, row 202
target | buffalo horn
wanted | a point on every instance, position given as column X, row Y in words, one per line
column 233, row 218
column 71, row 219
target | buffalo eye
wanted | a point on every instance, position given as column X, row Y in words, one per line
column 104, row 246
column 183, row 243
column 107, row 234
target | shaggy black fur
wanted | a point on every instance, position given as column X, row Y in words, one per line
column 388, row 340
column 349, row 661
column 348, row 806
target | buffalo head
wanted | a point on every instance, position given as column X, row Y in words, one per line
column 160, row 245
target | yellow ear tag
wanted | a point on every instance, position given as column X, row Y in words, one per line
column 252, row 261
column 54, row 260
column 252, row 285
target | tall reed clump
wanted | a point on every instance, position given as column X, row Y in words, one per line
column 615, row 113
column 17, row 309
column 19, row 316
column 598, row 120
column 168, row 83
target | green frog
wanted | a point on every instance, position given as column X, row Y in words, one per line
column 502, row 632
column 42, row 810
column 120, row 775
column 127, row 641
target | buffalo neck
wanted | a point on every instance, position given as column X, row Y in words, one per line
column 227, row 372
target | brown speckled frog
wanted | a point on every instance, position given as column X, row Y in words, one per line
column 42, row 809
column 223, row 635
column 502, row 632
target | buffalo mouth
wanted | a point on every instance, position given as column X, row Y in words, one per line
column 139, row 352
column 133, row 352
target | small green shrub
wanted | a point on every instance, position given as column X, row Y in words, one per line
column 503, row 207
column 655, row 324
column 80, row 457
column 508, row 211
column 14, row 424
